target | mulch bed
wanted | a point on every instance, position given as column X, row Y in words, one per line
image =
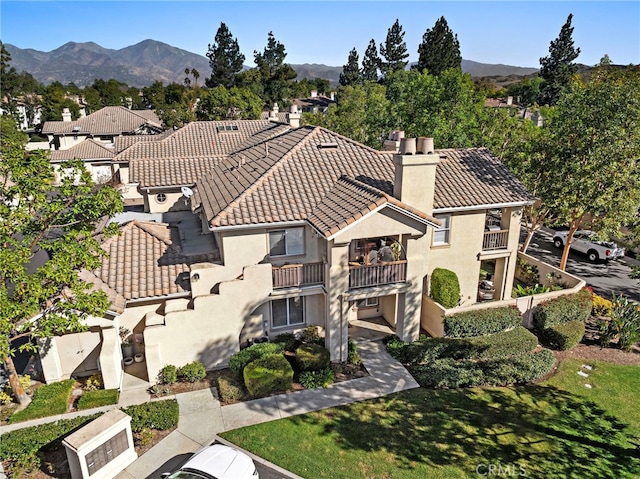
column 597, row 353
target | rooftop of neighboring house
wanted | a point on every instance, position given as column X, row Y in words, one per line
column 123, row 142
column 110, row 120
column 320, row 102
column 86, row 150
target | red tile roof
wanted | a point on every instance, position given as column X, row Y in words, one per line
column 85, row 150
column 110, row 120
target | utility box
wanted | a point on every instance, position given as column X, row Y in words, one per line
column 101, row 449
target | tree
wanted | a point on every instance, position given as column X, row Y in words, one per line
column 54, row 102
column 558, row 68
column 591, row 154
column 225, row 59
column 394, row 50
column 370, row 62
column 47, row 238
column 351, row 71
column 235, row 103
column 275, row 74
column 439, row 50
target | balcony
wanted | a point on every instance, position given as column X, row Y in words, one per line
column 377, row 274
column 493, row 240
column 296, row 275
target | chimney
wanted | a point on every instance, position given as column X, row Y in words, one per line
column 393, row 143
column 66, row 115
column 314, row 93
column 415, row 173
column 293, row 117
column 273, row 114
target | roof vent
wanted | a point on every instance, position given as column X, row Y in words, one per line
column 425, row 146
column 328, row 146
column 76, row 129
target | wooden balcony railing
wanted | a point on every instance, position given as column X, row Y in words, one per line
column 363, row 276
column 495, row 240
column 293, row 275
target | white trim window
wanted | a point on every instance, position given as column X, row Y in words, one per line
column 367, row 303
column 287, row 312
column 441, row 235
column 287, row 242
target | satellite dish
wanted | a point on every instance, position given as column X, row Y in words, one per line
column 186, row 191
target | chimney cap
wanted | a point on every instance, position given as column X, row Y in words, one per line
column 408, row 146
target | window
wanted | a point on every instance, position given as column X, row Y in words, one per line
column 367, row 303
column 161, row 197
column 287, row 312
column 107, row 452
column 221, row 128
column 441, row 234
column 286, row 242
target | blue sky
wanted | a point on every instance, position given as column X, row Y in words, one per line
column 509, row 32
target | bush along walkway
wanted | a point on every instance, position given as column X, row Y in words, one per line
column 202, row 417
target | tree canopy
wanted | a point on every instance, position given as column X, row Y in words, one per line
column 394, row 50
column 558, row 68
column 47, row 237
column 225, row 59
column 274, row 73
column 351, row 70
column 439, row 50
column 370, row 62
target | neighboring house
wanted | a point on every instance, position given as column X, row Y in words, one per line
column 104, row 125
column 295, row 228
column 96, row 157
column 315, row 103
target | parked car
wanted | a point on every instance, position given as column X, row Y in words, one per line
column 216, row 462
column 584, row 241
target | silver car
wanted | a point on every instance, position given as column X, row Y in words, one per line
column 584, row 241
column 216, row 462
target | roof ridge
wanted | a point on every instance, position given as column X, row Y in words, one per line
column 148, row 227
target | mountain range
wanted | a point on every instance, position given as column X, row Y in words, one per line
column 141, row 64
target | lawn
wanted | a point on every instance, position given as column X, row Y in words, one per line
column 545, row 430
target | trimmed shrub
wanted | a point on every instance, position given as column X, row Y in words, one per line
column 573, row 307
column 48, row 400
column 98, row 398
column 192, row 372
column 310, row 335
column 396, row 347
column 230, row 389
column 161, row 415
column 481, row 321
column 288, row 341
column 267, row 375
column 601, row 306
column 239, row 361
column 504, row 344
column 564, row 336
column 317, row 379
column 312, row 357
column 352, row 356
column 19, row 449
column 448, row 373
column 168, row 374
column 445, row 287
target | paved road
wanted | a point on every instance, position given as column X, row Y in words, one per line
column 605, row 277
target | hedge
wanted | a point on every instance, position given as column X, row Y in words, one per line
column 481, row 321
column 452, row 373
column 504, row 344
column 564, row 336
column 230, row 389
column 573, row 307
column 98, row 398
column 161, row 415
column 48, row 400
column 192, row 372
column 445, row 287
column 267, row 375
column 312, row 357
column 239, row 360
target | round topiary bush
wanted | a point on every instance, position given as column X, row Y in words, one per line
column 239, row 361
column 312, row 357
column 445, row 287
column 267, row 375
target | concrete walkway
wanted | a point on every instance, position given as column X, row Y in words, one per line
column 202, row 417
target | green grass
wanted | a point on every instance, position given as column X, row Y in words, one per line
column 614, row 387
column 100, row 397
column 48, row 400
column 541, row 430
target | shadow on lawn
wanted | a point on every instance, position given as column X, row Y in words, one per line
column 546, row 431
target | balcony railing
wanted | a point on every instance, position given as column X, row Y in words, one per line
column 495, row 240
column 294, row 275
column 363, row 276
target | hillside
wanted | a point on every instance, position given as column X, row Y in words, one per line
column 145, row 62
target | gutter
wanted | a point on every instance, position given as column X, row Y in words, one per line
column 258, row 225
column 482, row 207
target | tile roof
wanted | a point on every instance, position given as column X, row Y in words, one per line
column 348, row 201
column 286, row 177
column 109, row 120
column 123, row 142
column 85, row 150
column 144, row 261
column 188, row 153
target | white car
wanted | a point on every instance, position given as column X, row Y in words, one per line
column 216, row 462
column 584, row 241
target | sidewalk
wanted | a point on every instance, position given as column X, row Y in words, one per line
column 202, row 417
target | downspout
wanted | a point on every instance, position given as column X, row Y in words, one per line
column 341, row 328
column 504, row 277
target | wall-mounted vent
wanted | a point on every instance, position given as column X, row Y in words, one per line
column 222, row 128
column 328, row 146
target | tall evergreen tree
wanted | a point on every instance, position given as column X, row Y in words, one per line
column 351, row 71
column 394, row 50
column 439, row 50
column 225, row 59
column 275, row 74
column 370, row 62
column 557, row 68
